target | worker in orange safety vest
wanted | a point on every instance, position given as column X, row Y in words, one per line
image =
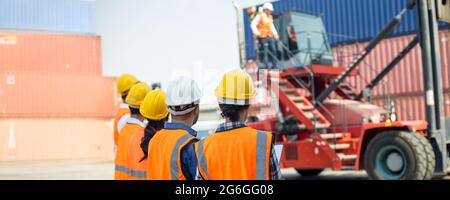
column 154, row 109
column 171, row 153
column 135, row 123
column 235, row 151
column 264, row 30
column 124, row 83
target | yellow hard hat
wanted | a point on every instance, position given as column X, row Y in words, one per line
column 125, row 82
column 137, row 94
column 154, row 106
column 236, row 88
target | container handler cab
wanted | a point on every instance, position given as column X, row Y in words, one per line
column 323, row 122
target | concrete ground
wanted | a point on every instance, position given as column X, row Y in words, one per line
column 291, row 174
column 104, row 170
column 57, row 170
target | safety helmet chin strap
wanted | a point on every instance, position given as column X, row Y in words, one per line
column 183, row 109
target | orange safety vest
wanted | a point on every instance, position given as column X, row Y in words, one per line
column 135, row 154
column 238, row 154
column 264, row 27
column 164, row 153
column 129, row 129
column 120, row 113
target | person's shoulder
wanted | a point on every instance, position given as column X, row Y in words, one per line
column 157, row 133
column 137, row 135
column 262, row 131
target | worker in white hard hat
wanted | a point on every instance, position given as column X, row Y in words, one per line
column 171, row 154
column 266, row 34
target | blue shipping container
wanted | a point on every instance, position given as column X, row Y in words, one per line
column 66, row 16
column 346, row 21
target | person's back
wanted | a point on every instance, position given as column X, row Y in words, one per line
column 235, row 151
column 154, row 110
column 236, row 154
column 135, row 163
column 132, row 127
column 171, row 154
column 164, row 161
column 135, row 123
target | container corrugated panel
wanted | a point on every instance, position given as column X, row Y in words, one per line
column 412, row 106
column 346, row 21
column 57, row 53
column 67, row 16
column 406, row 77
column 49, row 138
column 24, row 94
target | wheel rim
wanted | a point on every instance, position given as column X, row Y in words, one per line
column 391, row 162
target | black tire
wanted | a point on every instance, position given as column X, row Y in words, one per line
column 309, row 172
column 404, row 146
column 431, row 158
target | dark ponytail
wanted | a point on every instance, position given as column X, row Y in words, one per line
column 134, row 111
column 124, row 95
column 232, row 112
column 149, row 132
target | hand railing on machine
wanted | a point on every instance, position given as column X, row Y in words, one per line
column 313, row 95
column 311, row 79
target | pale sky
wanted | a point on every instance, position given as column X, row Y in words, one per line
column 159, row 40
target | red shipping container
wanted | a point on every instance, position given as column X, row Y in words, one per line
column 412, row 106
column 406, row 77
column 49, row 95
column 55, row 53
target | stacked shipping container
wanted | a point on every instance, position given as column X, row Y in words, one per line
column 54, row 101
column 47, row 95
column 65, row 16
column 404, row 84
column 50, row 53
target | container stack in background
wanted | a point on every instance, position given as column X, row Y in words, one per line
column 54, row 101
column 404, row 84
column 350, row 24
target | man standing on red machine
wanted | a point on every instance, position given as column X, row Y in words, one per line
column 264, row 30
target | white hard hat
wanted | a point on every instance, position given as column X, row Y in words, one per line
column 268, row 6
column 183, row 94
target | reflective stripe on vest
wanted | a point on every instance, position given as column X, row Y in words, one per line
column 174, row 157
column 137, row 174
column 119, row 115
column 202, row 159
column 122, row 121
column 261, row 148
column 261, row 159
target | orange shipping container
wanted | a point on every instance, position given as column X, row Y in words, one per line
column 55, row 53
column 45, row 139
column 48, row 95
